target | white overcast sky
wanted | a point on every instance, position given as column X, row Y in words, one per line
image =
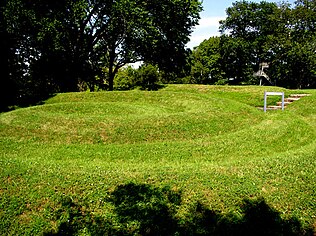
column 213, row 12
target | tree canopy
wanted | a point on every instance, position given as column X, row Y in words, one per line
column 61, row 46
column 252, row 33
column 72, row 45
column 206, row 60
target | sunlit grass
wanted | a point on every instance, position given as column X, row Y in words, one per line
column 210, row 142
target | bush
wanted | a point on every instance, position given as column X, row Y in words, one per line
column 125, row 79
column 148, row 77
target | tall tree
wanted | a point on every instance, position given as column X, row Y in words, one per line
column 4, row 61
column 9, row 61
column 236, row 54
column 206, row 61
column 293, row 51
column 152, row 31
column 66, row 43
column 245, row 33
column 305, row 18
column 281, row 35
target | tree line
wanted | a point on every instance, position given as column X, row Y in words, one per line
column 72, row 45
column 77, row 45
column 280, row 35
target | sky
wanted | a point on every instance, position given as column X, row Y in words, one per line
column 213, row 12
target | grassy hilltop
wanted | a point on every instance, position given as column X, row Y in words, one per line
column 87, row 162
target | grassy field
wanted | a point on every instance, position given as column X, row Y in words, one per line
column 187, row 159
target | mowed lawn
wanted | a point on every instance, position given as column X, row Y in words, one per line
column 209, row 143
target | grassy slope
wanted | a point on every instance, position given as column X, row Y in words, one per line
column 210, row 142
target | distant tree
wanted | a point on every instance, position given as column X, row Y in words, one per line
column 245, row 32
column 148, row 77
column 126, row 78
column 291, row 49
column 301, row 56
column 282, row 36
column 206, row 61
column 235, row 58
column 301, row 60
column 304, row 19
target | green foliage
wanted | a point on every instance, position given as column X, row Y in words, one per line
column 295, row 68
column 125, row 79
column 249, row 25
column 235, row 58
column 253, row 33
column 59, row 46
column 206, row 62
column 148, row 77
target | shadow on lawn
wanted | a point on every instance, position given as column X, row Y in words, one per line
column 25, row 101
column 145, row 210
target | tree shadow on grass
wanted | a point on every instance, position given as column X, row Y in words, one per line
column 152, row 209
column 256, row 218
column 142, row 209
column 25, row 101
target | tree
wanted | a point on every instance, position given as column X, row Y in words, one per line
column 35, row 68
column 206, row 61
column 282, row 36
column 126, row 78
column 291, row 48
column 4, row 59
column 236, row 59
column 245, row 33
column 148, row 77
column 155, row 32
column 63, row 44
column 305, row 18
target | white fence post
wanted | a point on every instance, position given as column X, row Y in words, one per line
column 265, row 102
column 266, row 94
column 282, row 101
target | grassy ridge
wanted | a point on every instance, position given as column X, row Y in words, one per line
column 211, row 143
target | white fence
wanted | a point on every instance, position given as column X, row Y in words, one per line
column 266, row 94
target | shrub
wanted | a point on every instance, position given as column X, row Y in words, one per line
column 125, row 79
column 148, row 77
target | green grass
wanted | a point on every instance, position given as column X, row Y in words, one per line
column 210, row 143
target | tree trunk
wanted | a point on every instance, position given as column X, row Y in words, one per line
column 111, row 69
column 8, row 93
column 111, row 78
